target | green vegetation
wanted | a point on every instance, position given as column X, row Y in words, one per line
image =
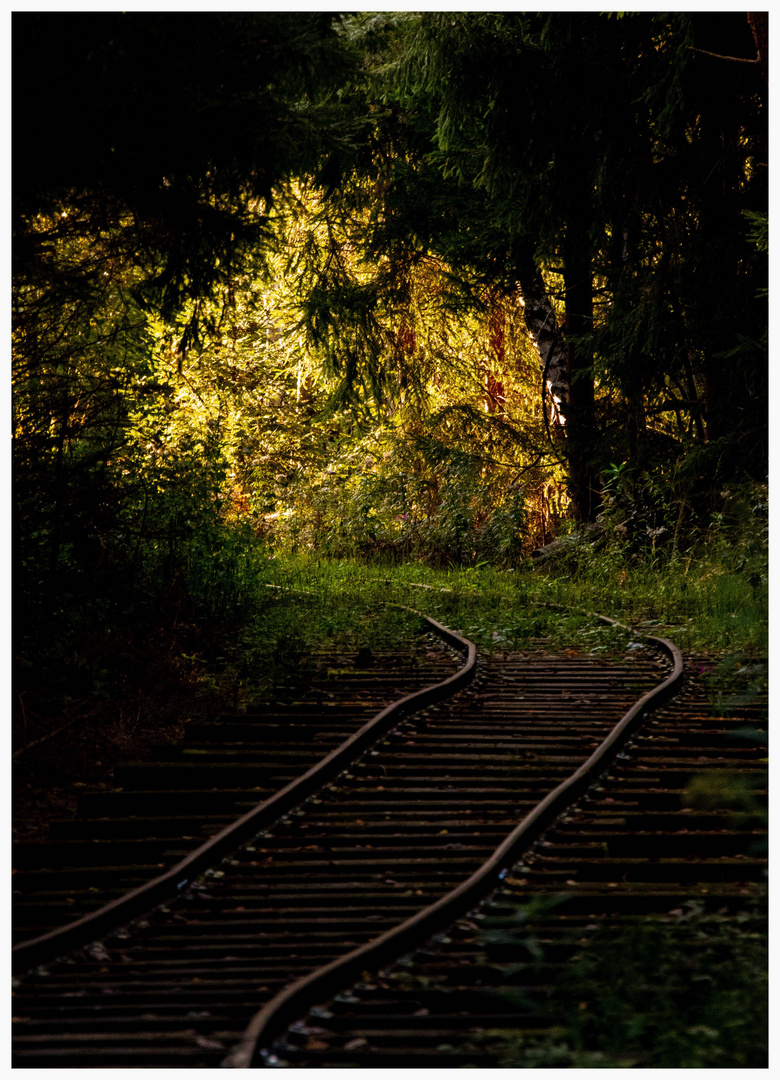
column 315, row 314
column 689, row 991
column 312, row 300
column 711, row 597
column 704, row 602
column 238, row 620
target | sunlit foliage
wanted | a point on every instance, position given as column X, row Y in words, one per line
column 301, row 325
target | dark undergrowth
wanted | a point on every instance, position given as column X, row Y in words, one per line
column 688, row 990
column 108, row 668
column 116, row 662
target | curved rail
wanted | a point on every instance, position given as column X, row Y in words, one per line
column 28, row 954
column 636, row 850
column 294, row 999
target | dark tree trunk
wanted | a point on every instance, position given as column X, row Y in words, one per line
column 720, row 175
column 758, row 21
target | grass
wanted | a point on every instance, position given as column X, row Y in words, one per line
column 238, row 632
column 123, row 653
column 710, row 599
column 699, row 600
column 710, row 590
column 275, row 650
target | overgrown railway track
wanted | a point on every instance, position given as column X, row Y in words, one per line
column 632, row 854
column 160, row 812
column 401, row 842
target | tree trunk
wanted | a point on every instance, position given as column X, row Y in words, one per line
column 758, row 21
column 581, row 416
column 566, row 365
column 545, row 331
column 720, row 175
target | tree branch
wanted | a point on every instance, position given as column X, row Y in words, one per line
column 720, row 56
column 673, row 405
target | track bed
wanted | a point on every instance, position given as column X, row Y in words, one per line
column 400, row 827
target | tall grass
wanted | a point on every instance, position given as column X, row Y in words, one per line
column 700, row 603
column 243, row 616
column 277, row 607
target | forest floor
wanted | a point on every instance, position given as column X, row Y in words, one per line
column 85, row 704
column 159, row 693
column 50, row 776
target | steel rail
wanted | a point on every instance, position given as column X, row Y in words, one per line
column 291, row 1002
column 28, row 954
column 628, row 852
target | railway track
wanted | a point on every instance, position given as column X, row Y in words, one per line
column 639, row 852
column 421, row 803
column 159, row 812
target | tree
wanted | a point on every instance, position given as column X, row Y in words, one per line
column 176, row 127
column 391, row 198
column 422, row 362
column 147, row 150
column 574, row 149
column 476, row 69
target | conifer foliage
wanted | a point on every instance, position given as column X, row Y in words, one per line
column 596, row 169
column 413, row 283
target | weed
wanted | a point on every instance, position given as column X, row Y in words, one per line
column 697, row 600
column 688, row 990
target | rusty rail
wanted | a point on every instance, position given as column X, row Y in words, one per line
column 638, row 848
column 181, row 989
column 294, row 999
column 124, row 908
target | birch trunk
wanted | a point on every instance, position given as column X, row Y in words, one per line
column 573, row 408
column 581, row 431
column 546, row 334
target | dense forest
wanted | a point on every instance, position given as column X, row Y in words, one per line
column 316, row 314
column 445, row 287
